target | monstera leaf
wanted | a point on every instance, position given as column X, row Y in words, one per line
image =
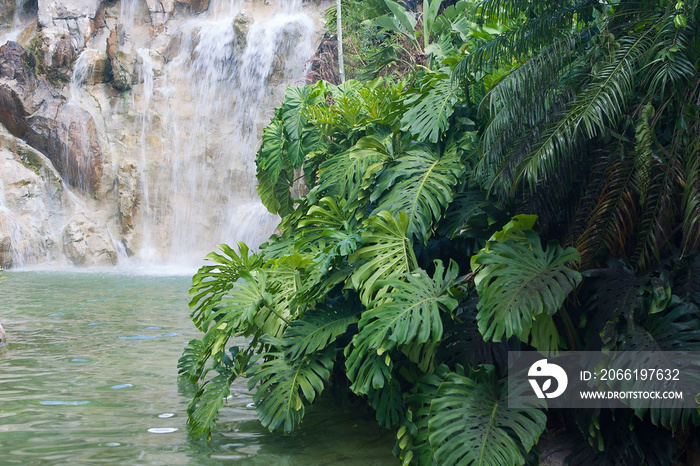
column 470, row 422
column 212, row 282
column 285, row 386
column 519, row 284
column 430, row 109
column 209, row 399
column 411, row 316
column 421, row 184
column 675, row 328
column 386, row 251
column 346, row 174
column 319, row 327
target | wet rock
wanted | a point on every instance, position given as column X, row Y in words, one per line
column 160, row 11
column 85, row 243
column 195, row 6
column 32, row 206
column 31, row 110
column 96, row 67
column 241, row 26
column 67, row 22
column 5, row 251
column 128, row 203
column 7, row 11
column 68, row 137
column 120, row 51
column 17, row 64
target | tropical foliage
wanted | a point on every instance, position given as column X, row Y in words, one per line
column 530, row 181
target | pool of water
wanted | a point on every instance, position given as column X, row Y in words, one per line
column 89, row 376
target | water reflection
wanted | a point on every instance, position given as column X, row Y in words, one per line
column 75, row 392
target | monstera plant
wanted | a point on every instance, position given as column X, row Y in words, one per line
column 422, row 223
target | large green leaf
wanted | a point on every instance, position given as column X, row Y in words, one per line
column 285, row 386
column 318, row 328
column 348, row 173
column 296, row 98
column 386, row 251
column 273, row 150
column 519, row 284
column 674, row 328
column 213, row 282
column 431, row 108
column 193, row 360
column 209, row 399
column 388, row 404
column 420, row 184
column 471, row 424
column 412, row 313
column 276, row 197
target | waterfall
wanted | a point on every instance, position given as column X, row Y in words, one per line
column 220, row 90
column 19, row 22
column 155, row 135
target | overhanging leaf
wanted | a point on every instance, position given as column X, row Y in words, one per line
column 518, row 284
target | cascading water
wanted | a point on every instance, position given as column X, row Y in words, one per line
column 156, row 133
column 219, row 89
column 20, row 18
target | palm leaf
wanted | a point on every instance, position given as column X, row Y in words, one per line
column 470, row 422
column 520, row 284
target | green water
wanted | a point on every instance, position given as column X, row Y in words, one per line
column 91, row 367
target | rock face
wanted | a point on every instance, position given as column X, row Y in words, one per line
column 35, row 208
column 86, row 243
column 124, row 118
column 31, row 110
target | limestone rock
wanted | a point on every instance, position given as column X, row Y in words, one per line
column 128, row 202
column 67, row 22
column 93, row 67
column 7, row 11
column 68, row 137
column 31, row 204
column 195, row 6
column 160, row 10
column 241, row 26
column 120, row 51
column 86, row 243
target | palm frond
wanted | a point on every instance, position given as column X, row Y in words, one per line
column 599, row 107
